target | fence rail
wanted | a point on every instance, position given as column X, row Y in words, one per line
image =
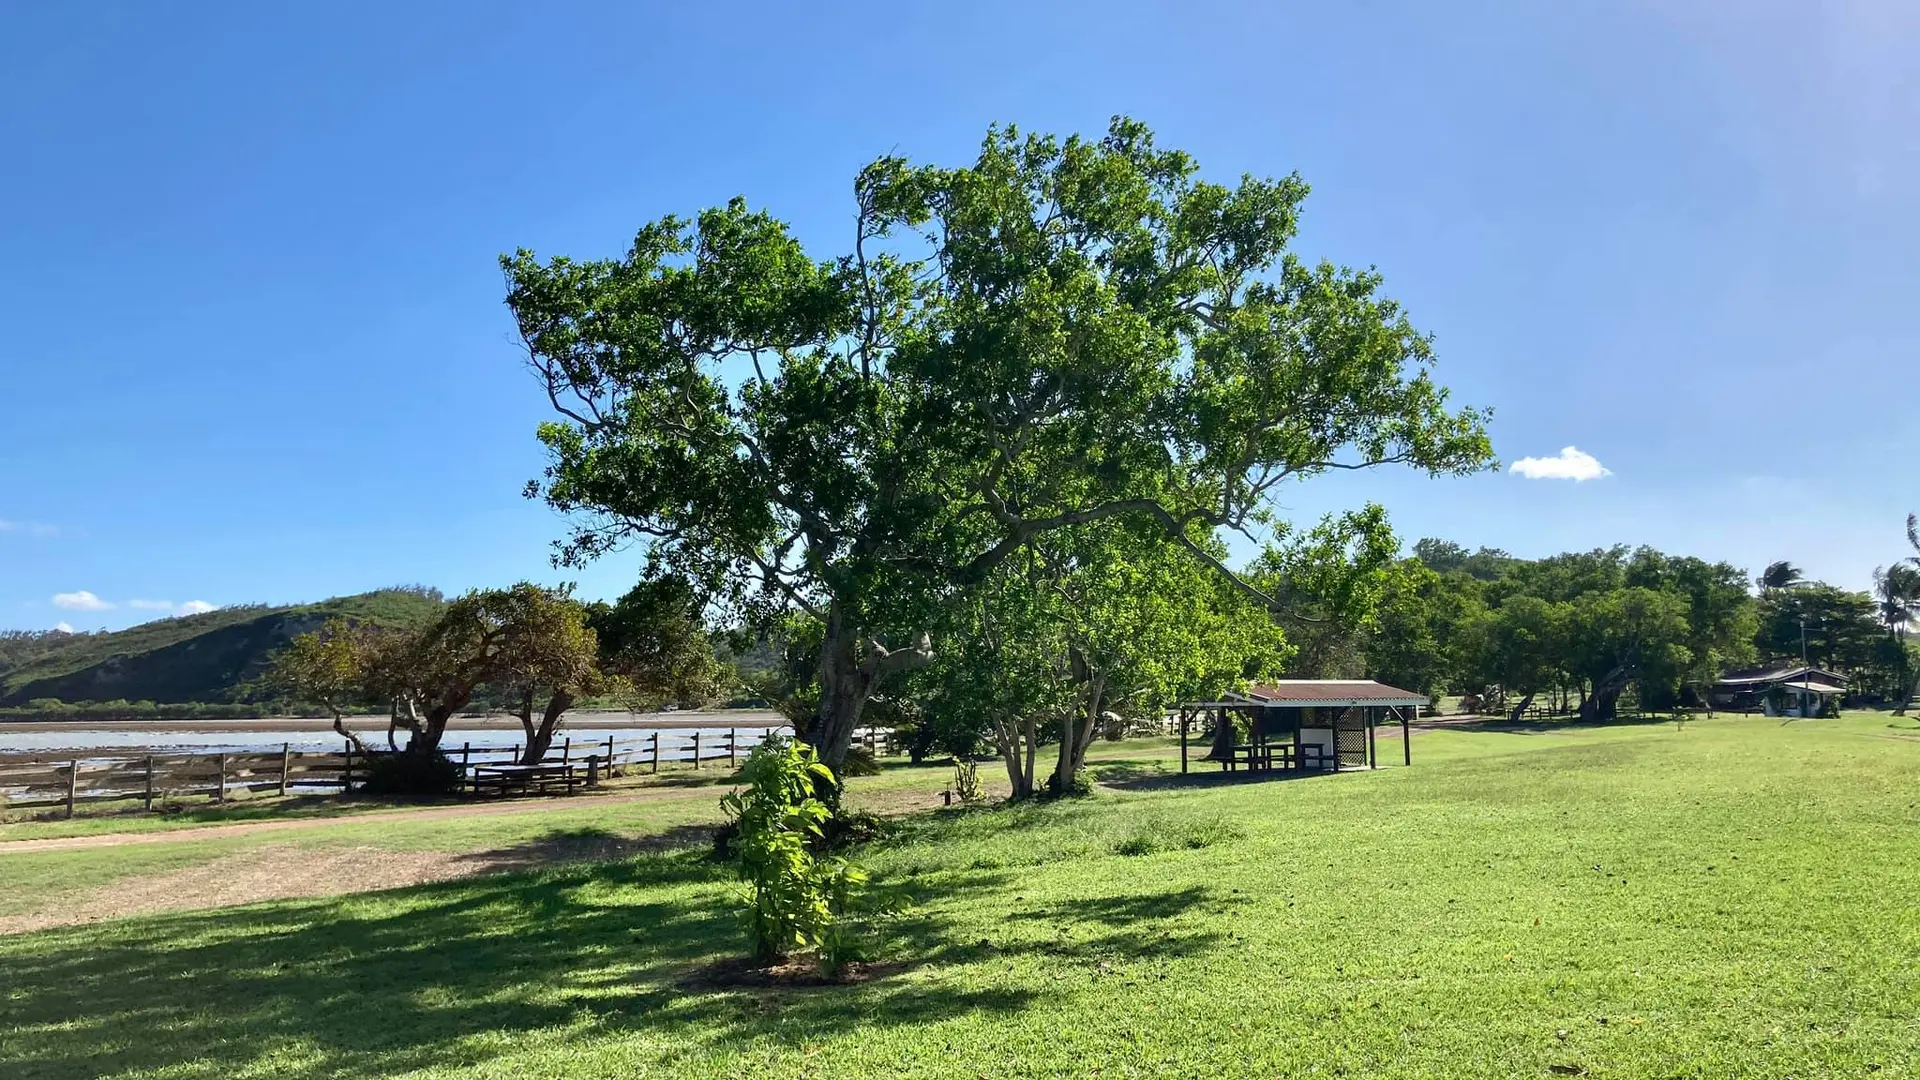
column 39, row 780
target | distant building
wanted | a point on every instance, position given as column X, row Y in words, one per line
column 1780, row 690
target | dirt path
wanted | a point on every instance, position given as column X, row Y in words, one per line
column 245, row 828
column 291, row 872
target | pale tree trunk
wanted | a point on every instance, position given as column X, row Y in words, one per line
column 540, row 739
column 340, row 728
column 1076, row 734
column 429, row 729
column 844, row 690
column 851, row 667
column 1033, row 748
column 1016, row 738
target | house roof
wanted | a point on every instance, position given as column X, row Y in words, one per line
column 1297, row 693
column 1826, row 689
column 1777, row 673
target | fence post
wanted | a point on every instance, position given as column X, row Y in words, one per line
column 732, row 741
column 466, row 771
column 73, row 782
column 593, row 770
column 609, row 755
column 656, row 752
column 566, row 751
column 149, row 781
column 346, row 775
column 286, row 760
column 220, row 791
column 696, row 748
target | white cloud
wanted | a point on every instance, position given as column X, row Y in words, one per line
column 191, row 607
column 1571, row 463
column 171, row 608
column 64, row 627
column 80, row 600
column 31, row 528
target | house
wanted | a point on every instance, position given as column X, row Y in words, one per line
column 1780, row 690
column 1303, row 724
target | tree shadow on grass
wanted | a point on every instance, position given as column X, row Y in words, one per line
column 1212, row 778
column 1091, row 930
column 435, row 976
column 1119, row 771
column 1567, row 723
column 586, row 845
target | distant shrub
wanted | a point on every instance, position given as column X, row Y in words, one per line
column 408, row 773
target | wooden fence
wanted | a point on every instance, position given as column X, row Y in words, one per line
column 65, row 780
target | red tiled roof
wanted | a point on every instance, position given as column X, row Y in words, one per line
column 1332, row 692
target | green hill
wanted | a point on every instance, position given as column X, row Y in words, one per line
column 215, row 657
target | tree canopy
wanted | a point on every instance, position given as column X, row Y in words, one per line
column 1066, row 332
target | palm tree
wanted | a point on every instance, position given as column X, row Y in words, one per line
column 1897, row 588
column 1913, row 607
column 1780, row 575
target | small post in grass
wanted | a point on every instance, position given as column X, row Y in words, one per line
column 731, row 742
column 655, row 740
column 696, row 748
column 149, row 781
column 286, row 760
column 566, row 750
column 73, row 783
column 346, row 774
column 220, row 785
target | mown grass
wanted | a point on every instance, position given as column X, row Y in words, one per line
column 1735, row 898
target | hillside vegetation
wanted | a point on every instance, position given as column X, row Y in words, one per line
column 215, row 658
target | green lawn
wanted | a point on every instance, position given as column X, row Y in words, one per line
column 1738, row 898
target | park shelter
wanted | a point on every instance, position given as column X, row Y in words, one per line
column 1780, row 690
column 1305, row 724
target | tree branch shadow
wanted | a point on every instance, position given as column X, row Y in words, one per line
column 434, row 976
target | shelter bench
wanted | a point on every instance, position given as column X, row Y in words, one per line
column 506, row 779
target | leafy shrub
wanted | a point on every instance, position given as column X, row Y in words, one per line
column 796, row 896
column 407, row 773
column 966, row 781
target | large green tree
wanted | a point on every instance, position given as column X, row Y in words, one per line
column 1521, row 647
column 1062, row 333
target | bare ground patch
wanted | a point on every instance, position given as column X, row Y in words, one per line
column 286, row 871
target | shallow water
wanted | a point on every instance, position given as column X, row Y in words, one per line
column 119, row 741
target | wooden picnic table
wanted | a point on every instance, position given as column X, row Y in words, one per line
column 504, row 779
column 1266, row 756
column 1261, row 756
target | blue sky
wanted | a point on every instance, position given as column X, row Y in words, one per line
column 256, row 350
